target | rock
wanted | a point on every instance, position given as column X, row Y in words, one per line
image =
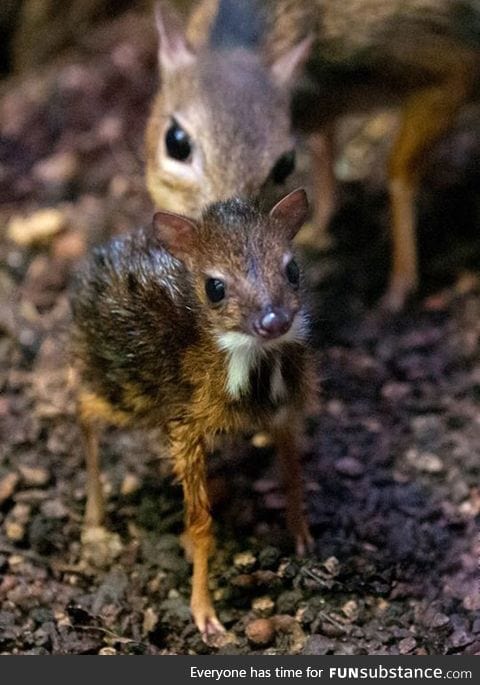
column 54, row 509
column 288, row 601
column 14, row 530
column 69, row 246
column 57, row 170
column 112, row 590
column 426, row 428
column 349, row 466
column 107, row 651
column 130, row 484
column 8, row 483
column 268, row 557
column 260, row 631
column 223, row 640
column 424, row 461
column 332, row 566
column 318, row 645
column 150, row 620
column 263, row 606
column 244, row 561
column 350, row 610
column 430, row 463
column 407, row 645
column 290, row 626
column 38, row 228
column 34, row 476
column 439, row 620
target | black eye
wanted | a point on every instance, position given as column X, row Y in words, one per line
column 177, row 142
column 293, row 272
column 283, row 167
column 215, row 289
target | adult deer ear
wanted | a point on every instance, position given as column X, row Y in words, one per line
column 285, row 69
column 291, row 213
column 176, row 233
column 173, row 49
column 200, row 22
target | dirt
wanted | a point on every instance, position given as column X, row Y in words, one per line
column 391, row 456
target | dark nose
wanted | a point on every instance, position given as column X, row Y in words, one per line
column 274, row 322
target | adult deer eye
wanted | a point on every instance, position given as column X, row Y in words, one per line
column 293, row 272
column 177, row 142
column 215, row 289
column 284, row 166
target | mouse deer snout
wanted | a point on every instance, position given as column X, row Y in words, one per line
column 273, row 322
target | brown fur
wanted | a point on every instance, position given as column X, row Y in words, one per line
column 148, row 351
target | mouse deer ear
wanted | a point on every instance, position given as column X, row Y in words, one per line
column 173, row 49
column 286, row 67
column 176, row 233
column 291, row 213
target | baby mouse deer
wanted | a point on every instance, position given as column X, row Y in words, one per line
column 197, row 327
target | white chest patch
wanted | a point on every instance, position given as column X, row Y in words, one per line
column 244, row 354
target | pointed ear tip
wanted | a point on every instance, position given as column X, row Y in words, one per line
column 300, row 194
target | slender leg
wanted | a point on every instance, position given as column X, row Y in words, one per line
column 322, row 147
column 189, row 458
column 285, row 433
column 94, row 511
column 427, row 116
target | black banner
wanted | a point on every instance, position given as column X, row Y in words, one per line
column 200, row 670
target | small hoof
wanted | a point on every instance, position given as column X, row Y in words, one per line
column 396, row 297
column 100, row 547
column 212, row 631
column 304, row 543
column 208, row 624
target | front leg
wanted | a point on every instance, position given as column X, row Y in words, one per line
column 189, row 465
column 285, row 432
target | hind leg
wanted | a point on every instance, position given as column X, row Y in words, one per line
column 100, row 547
column 286, row 431
column 95, row 508
column 427, row 116
column 322, row 151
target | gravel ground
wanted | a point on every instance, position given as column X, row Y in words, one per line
column 392, row 454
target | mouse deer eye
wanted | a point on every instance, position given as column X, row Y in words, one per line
column 177, row 142
column 284, row 166
column 215, row 289
column 293, row 272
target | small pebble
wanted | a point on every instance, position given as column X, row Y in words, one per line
column 39, row 227
column 34, row 476
column 318, row 645
column 407, row 645
column 263, row 606
column 260, row 632
column 107, row 651
column 14, row 530
column 244, row 561
column 7, row 486
column 349, row 466
column 130, row 484
column 54, row 509
column 350, row 610
column 150, row 620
